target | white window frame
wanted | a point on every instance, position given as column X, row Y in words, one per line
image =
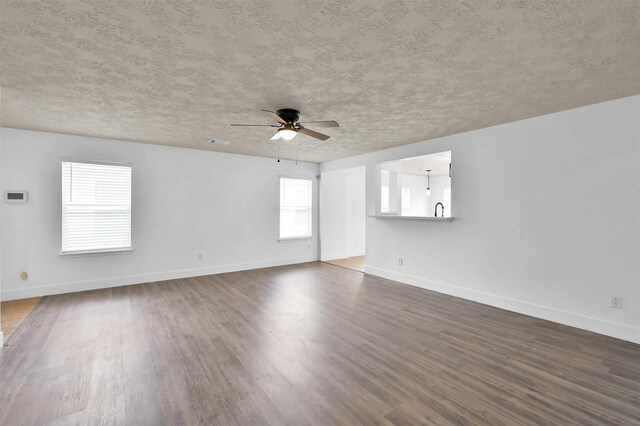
column 72, row 253
column 310, row 236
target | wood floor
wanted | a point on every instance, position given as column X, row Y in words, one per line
column 356, row 263
column 14, row 312
column 306, row 344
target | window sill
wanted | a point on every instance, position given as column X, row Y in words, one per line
column 296, row 238
column 95, row 252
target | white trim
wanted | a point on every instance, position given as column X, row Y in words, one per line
column 305, row 177
column 396, row 216
column 92, row 252
column 340, row 255
column 105, row 163
column 617, row 330
column 1, row 339
column 333, row 255
column 307, row 237
column 71, row 287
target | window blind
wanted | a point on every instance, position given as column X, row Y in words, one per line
column 295, row 208
column 96, row 207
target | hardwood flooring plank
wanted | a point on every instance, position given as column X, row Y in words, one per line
column 307, row 344
column 355, row 262
column 14, row 312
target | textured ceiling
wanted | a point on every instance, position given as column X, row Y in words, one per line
column 391, row 72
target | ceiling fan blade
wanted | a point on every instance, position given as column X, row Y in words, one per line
column 255, row 125
column 276, row 136
column 273, row 115
column 328, row 123
column 313, row 134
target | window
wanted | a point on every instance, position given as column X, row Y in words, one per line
column 295, row 208
column 96, row 207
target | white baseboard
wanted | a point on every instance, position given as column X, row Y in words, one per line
column 333, row 255
column 617, row 330
column 71, row 287
column 340, row 255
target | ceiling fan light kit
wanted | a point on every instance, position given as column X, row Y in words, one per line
column 289, row 126
column 287, row 132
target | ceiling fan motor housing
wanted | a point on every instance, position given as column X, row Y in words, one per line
column 288, row 115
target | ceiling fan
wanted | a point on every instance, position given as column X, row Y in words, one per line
column 289, row 126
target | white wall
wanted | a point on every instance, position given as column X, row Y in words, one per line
column 356, row 213
column 185, row 202
column 533, row 243
column 418, row 199
column 333, row 216
column 342, row 215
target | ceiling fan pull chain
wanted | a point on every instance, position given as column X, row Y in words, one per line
column 278, row 150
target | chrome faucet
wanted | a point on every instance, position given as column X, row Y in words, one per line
column 436, row 212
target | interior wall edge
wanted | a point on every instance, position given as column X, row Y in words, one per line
column 596, row 325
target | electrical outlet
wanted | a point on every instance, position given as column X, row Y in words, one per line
column 616, row 302
column 200, row 256
column 400, row 261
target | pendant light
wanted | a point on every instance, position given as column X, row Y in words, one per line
column 429, row 183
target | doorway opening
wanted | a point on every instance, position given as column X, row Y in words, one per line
column 343, row 218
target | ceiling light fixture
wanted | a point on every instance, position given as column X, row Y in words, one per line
column 429, row 183
column 287, row 132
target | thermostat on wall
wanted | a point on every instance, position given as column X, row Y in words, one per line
column 15, row 197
